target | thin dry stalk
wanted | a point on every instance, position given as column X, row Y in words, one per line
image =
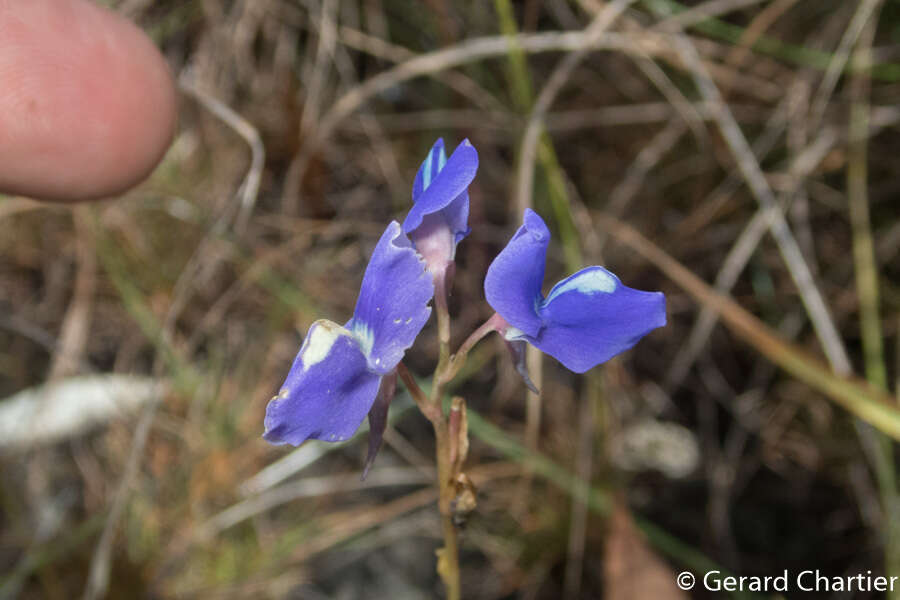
column 702, row 12
column 98, row 576
column 855, row 395
column 757, row 27
column 434, row 62
column 327, row 32
column 839, row 59
column 308, row 487
column 249, row 189
column 583, row 468
column 464, row 85
column 866, row 269
column 644, row 162
column 76, row 322
column 737, row 258
column 815, row 305
column 683, row 107
column 528, row 151
column 803, row 164
column 719, row 197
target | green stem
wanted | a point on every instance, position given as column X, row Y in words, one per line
column 448, row 556
column 866, row 270
column 443, row 319
column 432, row 407
column 431, row 411
column 458, row 360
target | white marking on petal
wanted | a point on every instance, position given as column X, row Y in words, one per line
column 513, row 333
column 363, row 335
column 426, row 173
column 589, row 282
column 320, row 341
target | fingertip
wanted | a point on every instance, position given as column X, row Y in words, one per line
column 88, row 106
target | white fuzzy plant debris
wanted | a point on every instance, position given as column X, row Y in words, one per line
column 70, row 407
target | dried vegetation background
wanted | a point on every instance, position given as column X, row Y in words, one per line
column 302, row 124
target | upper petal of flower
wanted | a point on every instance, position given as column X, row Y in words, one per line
column 590, row 317
column 393, row 301
column 429, row 169
column 513, row 282
column 440, row 186
column 328, row 391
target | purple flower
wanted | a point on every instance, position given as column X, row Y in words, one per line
column 438, row 220
column 586, row 319
column 337, row 374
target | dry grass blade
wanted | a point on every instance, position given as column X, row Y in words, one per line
column 760, row 23
column 646, row 159
column 880, row 449
column 701, row 12
column 578, row 526
column 327, row 32
column 866, row 269
column 688, row 111
column 97, row 584
column 787, row 244
column 250, row 187
column 305, row 488
column 340, row 526
column 74, row 334
column 528, row 153
column 839, row 61
column 434, row 62
column 738, row 257
column 858, row 397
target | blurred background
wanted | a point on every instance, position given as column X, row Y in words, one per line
column 753, row 141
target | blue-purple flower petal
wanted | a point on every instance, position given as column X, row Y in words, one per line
column 378, row 418
column 586, row 319
column 328, row 391
column 440, row 190
column 429, row 169
column 513, row 282
column 591, row 317
column 393, row 301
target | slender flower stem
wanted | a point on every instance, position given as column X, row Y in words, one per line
column 495, row 323
column 448, row 469
column 448, row 556
column 492, row 324
column 449, row 447
column 432, row 408
column 443, row 317
column 427, row 407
